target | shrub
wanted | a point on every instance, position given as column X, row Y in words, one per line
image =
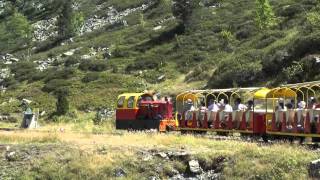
column 62, row 105
column 93, row 65
column 55, row 84
column 305, row 45
column 237, row 71
column 23, row 70
column 65, row 73
column 72, row 60
column 147, row 62
column 290, row 10
column 92, row 76
column 10, row 82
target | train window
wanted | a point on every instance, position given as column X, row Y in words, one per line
column 121, row 101
column 131, row 102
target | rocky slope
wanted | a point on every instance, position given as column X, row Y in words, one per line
column 136, row 45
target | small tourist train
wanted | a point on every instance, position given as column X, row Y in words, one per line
column 288, row 111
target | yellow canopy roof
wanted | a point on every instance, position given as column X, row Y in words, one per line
column 275, row 93
column 187, row 95
column 262, row 93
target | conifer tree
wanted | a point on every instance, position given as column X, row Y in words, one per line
column 265, row 15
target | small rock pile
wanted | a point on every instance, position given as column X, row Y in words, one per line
column 195, row 168
column 113, row 17
column 8, row 59
column 2, row 5
column 45, row 29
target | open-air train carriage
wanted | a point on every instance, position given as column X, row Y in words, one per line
column 216, row 120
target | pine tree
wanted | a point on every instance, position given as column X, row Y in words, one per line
column 65, row 20
column 62, row 105
column 16, row 31
column 265, row 15
column 183, row 9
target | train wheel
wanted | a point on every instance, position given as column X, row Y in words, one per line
column 265, row 138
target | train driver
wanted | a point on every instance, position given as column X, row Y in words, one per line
column 189, row 108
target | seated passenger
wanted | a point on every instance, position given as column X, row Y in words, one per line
column 312, row 103
column 249, row 115
column 213, row 106
column 228, row 108
column 314, row 116
column 290, row 104
column 300, row 111
column 202, row 110
column 250, row 105
column 239, row 106
column 281, row 106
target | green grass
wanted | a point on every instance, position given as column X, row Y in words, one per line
column 80, row 154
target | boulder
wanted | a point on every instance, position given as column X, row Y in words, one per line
column 194, row 167
column 314, row 169
column 68, row 53
column 157, row 28
column 11, row 156
column 162, row 155
column 119, row 172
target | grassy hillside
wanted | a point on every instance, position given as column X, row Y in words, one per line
column 222, row 46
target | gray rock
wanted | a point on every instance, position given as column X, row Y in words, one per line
column 147, row 157
column 314, row 168
column 194, row 167
column 119, row 172
column 161, row 78
column 177, row 177
column 154, row 178
column 162, row 155
column 179, row 155
column 157, row 28
column 11, row 156
column 68, row 53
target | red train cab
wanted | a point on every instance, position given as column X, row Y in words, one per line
column 139, row 111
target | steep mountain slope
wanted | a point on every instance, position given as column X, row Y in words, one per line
column 123, row 45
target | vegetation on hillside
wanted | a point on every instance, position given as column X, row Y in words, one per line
column 209, row 43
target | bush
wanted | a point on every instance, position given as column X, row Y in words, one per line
column 238, row 71
column 290, row 10
column 55, row 84
column 147, row 62
column 89, row 77
column 10, row 82
column 65, row 73
column 62, row 105
column 305, row 45
column 72, row 60
column 23, row 70
column 93, row 65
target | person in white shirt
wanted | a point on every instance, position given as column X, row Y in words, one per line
column 239, row 106
column 228, row 107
